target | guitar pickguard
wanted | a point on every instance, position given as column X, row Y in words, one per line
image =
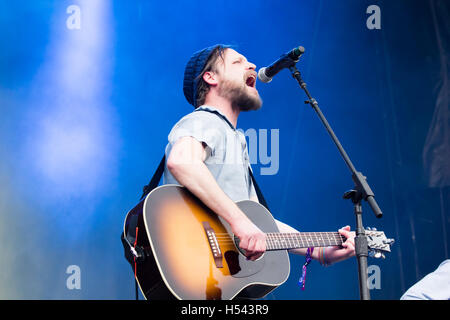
column 240, row 267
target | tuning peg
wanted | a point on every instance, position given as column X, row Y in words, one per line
column 369, row 229
column 374, row 229
column 388, row 241
column 377, row 255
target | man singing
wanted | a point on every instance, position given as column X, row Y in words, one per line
column 208, row 156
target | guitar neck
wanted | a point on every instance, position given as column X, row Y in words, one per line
column 286, row 241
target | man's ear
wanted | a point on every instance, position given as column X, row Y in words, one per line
column 210, row 78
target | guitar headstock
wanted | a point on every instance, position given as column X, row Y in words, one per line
column 378, row 243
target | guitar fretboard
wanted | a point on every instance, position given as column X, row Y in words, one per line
column 286, row 241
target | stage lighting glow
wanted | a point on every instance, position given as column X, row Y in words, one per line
column 72, row 140
column 72, row 155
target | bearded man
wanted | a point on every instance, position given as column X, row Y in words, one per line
column 209, row 156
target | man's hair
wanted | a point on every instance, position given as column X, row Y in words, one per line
column 211, row 65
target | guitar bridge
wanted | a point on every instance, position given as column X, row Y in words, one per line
column 213, row 244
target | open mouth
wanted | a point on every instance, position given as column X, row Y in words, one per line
column 251, row 80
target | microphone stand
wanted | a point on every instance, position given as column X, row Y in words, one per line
column 360, row 191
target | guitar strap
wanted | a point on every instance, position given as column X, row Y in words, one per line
column 130, row 237
column 155, row 179
column 261, row 198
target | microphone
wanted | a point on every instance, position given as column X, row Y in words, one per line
column 285, row 61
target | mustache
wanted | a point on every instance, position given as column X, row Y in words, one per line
column 250, row 73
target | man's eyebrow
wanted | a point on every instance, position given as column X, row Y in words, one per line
column 241, row 58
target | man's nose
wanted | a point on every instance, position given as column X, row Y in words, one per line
column 251, row 66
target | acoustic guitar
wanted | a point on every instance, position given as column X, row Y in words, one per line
column 183, row 250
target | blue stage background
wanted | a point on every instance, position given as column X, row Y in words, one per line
column 87, row 99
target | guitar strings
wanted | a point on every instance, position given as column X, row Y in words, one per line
column 290, row 236
column 287, row 238
column 295, row 236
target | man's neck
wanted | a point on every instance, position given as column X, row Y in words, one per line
column 225, row 107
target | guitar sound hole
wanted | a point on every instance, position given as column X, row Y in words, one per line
column 232, row 259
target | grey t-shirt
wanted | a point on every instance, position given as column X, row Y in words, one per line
column 227, row 156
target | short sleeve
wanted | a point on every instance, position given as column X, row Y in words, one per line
column 202, row 126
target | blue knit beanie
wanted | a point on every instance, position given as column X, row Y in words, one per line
column 193, row 69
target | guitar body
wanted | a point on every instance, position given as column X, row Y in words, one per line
column 181, row 261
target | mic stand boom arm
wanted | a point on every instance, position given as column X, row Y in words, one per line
column 361, row 191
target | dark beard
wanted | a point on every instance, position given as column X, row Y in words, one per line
column 240, row 99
